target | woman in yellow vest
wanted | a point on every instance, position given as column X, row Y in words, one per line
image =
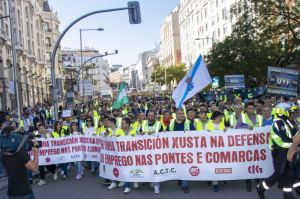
column 101, row 127
column 216, row 123
column 79, row 168
column 57, row 133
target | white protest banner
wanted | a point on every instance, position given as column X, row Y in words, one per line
column 232, row 155
column 69, row 149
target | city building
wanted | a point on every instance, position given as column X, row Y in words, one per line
column 203, row 22
column 170, row 53
column 33, row 45
column 142, row 72
column 95, row 69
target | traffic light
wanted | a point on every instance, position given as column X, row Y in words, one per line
column 134, row 12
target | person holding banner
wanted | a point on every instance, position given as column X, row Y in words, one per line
column 267, row 116
column 234, row 116
column 52, row 168
column 249, row 119
column 113, row 131
column 59, row 132
column 191, row 115
column 281, row 140
column 165, row 120
column 128, row 131
column 151, row 125
column 79, row 168
column 89, row 129
column 181, row 124
column 216, row 123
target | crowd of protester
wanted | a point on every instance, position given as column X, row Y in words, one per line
column 145, row 114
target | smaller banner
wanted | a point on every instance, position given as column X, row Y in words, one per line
column 69, row 149
column 234, row 81
column 283, row 82
column 230, row 94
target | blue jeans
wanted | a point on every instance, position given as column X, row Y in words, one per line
column 64, row 167
column 184, row 183
column 94, row 166
column 30, row 196
column 128, row 184
column 79, row 168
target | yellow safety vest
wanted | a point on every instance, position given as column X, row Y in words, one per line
column 232, row 121
column 198, row 125
column 119, row 122
column 155, row 128
column 135, row 125
column 100, row 130
column 49, row 114
column 246, row 120
column 209, row 114
column 57, row 135
column 211, row 127
column 186, row 125
column 132, row 132
column 118, row 132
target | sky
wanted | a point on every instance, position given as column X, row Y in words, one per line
column 118, row 33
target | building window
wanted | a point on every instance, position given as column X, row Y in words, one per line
column 26, row 12
column 225, row 29
column 219, row 32
column 47, row 27
column 214, row 35
column 205, row 12
column 224, row 14
column 48, row 42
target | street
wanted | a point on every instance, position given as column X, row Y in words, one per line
column 90, row 187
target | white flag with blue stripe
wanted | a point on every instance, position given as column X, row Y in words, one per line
column 197, row 79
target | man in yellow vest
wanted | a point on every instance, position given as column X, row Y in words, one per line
column 49, row 116
column 191, row 116
column 151, row 125
column 181, row 124
column 233, row 117
column 165, row 120
column 42, row 131
column 249, row 119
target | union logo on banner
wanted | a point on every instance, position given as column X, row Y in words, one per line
column 48, row 159
column 194, row 171
column 116, row 172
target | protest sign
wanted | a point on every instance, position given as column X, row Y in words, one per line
column 194, row 155
column 69, row 149
column 234, row 81
column 283, row 82
column 230, row 94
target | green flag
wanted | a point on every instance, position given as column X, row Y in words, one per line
column 121, row 97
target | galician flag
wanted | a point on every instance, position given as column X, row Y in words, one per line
column 196, row 79
column 121, row 97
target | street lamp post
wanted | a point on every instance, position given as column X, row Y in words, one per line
column 81, row 56
column 133, row 8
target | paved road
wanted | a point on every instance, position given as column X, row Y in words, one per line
column 90, row 187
